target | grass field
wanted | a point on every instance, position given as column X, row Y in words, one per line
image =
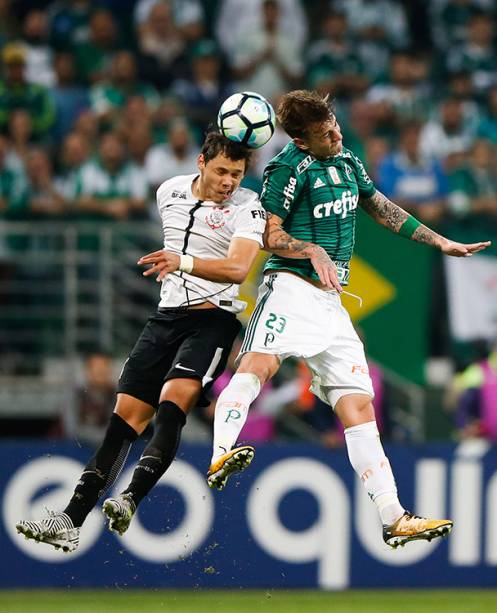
column 244, row 601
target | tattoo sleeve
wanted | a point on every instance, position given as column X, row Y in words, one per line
column 277, row 241
column 423, row 234
column 384, row 211
column 392, row 216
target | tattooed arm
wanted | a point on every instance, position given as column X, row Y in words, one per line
column 279, row 242
column 392, row 216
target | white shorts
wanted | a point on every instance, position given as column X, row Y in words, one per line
column 294, row 318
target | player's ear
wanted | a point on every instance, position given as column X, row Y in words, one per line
column 201, row 161
column 301, row 144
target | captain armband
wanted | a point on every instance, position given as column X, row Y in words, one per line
column 185, row 263
column 410, row 225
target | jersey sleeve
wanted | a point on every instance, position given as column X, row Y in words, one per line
column 280, row 189
column 364, row 183
column 251, row 221
column 162, row 191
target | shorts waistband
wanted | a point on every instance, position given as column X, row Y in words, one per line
column 185, row 310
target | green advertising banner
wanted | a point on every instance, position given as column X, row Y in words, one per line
column 392, row 275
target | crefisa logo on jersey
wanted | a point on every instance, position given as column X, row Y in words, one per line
column 216, row 218
column 289, row 192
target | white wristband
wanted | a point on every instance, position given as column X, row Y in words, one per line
column 185, row 263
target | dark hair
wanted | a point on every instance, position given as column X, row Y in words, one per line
column 300, row 108
column 215, row 143
column 410, row 125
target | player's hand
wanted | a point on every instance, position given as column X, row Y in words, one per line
column 461, row 250
column 325, row 269
column 163, row 262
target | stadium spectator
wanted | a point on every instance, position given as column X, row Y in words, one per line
column 187, row 15
column 402, row 97
column 460, row 86
column 39, row 54
column 417, row 184
column 375, row 151
column 448, row 136
column 70, row 98
column 87, row 126
column 236, row 17
column 176, row 157
column 477, row 54
column 9, row 25
column 203, row 92
column 85, row 418
column 69, row 23
column 162, row 47
column 16, row 93
column 267, row 60
column 333, row 59
column 473, row 186
column 75, row 153
column 109, row 187
column 135, row 113
column 11, row 185
column 476, row 386
column 109, row 97
column 449, row 21
column 42, row 198
column 20, row 133
column 377, row 20
column 377, row 28
column 359, row 124
column 94, row 56
column 488, row 124
column 139, row 143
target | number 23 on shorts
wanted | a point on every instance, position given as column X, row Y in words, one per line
column 276, row 322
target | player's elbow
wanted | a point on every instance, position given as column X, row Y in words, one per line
column 238, row 273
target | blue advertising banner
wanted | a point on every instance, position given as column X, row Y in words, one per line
column 297, row 518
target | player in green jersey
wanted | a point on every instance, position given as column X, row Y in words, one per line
column 311, row 193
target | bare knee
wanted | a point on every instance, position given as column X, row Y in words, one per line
column 135, row 413
column 262, row 365
column 183, row 392
column 354, row 410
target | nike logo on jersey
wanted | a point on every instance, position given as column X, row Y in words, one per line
column 318, row 183
column 178, row 365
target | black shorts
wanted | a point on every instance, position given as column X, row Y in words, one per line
column 179, row 344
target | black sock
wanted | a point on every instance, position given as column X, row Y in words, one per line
column 102, row 470
column 160, row 452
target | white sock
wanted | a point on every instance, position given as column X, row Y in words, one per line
column 231, row 411
column 373, row 468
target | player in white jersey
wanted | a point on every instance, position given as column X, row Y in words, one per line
column 212, row 233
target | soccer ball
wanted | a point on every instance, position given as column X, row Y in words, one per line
column 247, row 118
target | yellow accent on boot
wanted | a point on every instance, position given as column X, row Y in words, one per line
column 234, row 461
column 412, row 527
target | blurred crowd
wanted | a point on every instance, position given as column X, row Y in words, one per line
column 102, row 101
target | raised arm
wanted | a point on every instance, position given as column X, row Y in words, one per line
column 278, row 241
column 392, row 216
column 232, row 269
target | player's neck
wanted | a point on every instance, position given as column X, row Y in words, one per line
column 202, row 192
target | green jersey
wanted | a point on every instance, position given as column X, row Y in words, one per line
column 317, row 200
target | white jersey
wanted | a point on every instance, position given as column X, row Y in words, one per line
column 204, row 229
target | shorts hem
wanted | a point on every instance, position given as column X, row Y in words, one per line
column 331, row 395
column 142, row 397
